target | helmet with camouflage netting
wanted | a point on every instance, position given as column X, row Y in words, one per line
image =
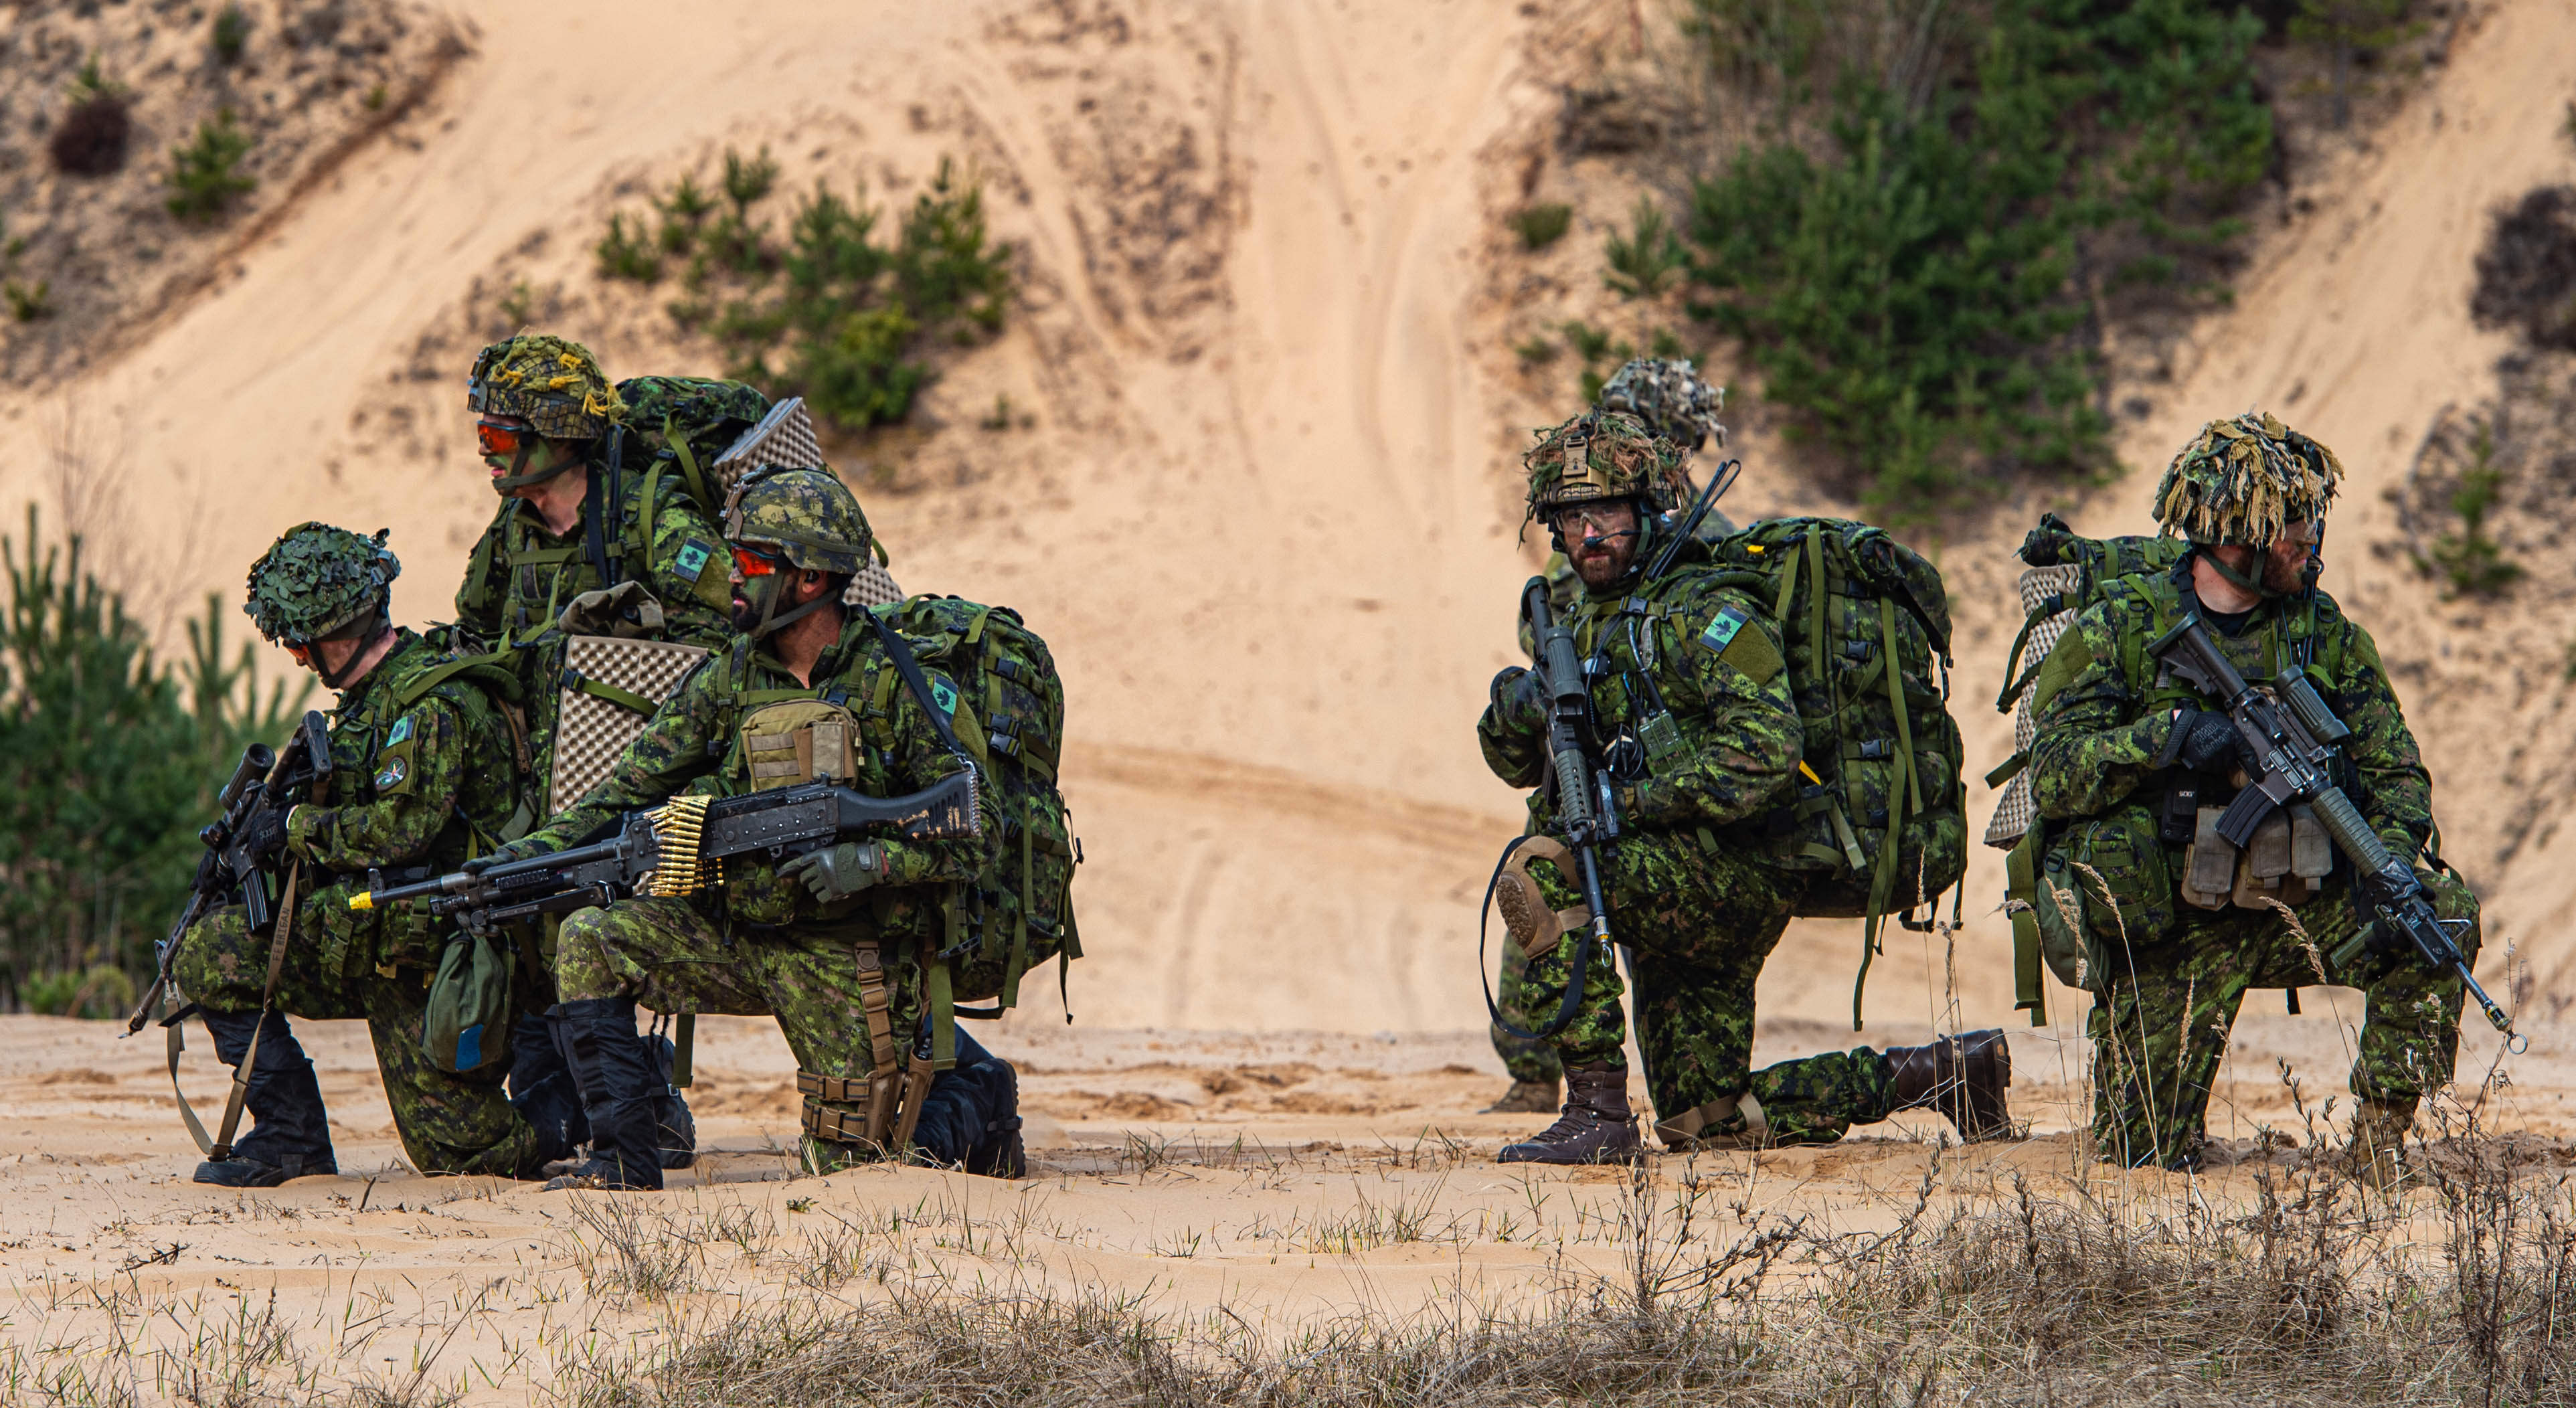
column 807, row 515
column 2241, row 481
column 1669, row 399
column 1603, row 455
column 316, row 580
column 553, row 384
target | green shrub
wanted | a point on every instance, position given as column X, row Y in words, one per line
column 1905, row 285
column 205, row 174
column 1645, row 261
column 28, row 302
column 1542, row 225
column 835, row 314
column 232, row 31
column 2468, row 557
column 104, row 991
column 624, row 255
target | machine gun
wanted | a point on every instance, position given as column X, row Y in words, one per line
column 2292, row 734
column 263, row 780
column 680, row 847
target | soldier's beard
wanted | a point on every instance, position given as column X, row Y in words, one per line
column 1602, row 561
column 752, row 599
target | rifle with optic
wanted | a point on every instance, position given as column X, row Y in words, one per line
column 2292, row 734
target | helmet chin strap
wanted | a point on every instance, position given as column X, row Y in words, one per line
column 377, row 624
column 2243, row 582
column 772, row 623
column 520, row 478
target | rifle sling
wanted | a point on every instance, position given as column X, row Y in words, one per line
column 221, row 1147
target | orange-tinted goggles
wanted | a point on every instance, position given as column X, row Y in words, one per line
column 752, row 562
column 498, row 439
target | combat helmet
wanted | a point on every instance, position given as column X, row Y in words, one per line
column 316, row 581
column 553, row 384
column 1603, row 454
column 807, row 515
column 2242, row 480
column 1669, row 399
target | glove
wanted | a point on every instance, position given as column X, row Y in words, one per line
column 264, row 835
column 838, row 872
column 522, row 849
column 1517, row 705
column 2208, row 742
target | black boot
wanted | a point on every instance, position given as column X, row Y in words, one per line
column 290, row 1134
column 675, row 1129
column 1963, row 1077
column 1596, row 1126
column 542, row 1089
column 615, row 1074
column 971, row 1117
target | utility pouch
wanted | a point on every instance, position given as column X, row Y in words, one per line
column 1662, row 735
column 2209, row 867
column 467, row 1025
column 799, row 741
column 2114, row 865
column 2181, row 824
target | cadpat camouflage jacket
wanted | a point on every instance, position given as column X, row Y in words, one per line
column 2110, row 712
column 694, row 744
column 1714, row 657
column 411, row 782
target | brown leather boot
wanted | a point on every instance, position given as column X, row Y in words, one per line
column 2378, row 1144
column 1596, row 1126
column 1961, row 1076
column 1526, row 1097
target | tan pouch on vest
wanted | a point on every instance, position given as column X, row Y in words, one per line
column 800, row 740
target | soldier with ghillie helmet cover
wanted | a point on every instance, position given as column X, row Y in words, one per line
column 425, row 774
column 2130, row 765
column 586, row 544
column 1695, row 728
column 834, row 943
column 1670, row 400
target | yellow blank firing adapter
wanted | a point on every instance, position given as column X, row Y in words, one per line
column 363, row 900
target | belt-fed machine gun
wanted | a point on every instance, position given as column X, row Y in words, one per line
column 680, row 847
column 2291, row 734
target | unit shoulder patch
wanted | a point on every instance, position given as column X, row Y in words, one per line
column 691, row 559
column 401, row 732
column 394, row 773
column 945, row 696
column 1722, row 631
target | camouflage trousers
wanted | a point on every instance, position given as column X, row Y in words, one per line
column 1698, row 925
column 448, row 1123
column 1528, row 1060
column 2161, row 1027
column 669, row 956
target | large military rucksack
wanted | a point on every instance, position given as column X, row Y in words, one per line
column 1020, row 912
column 1877, row 812
column 2067, row 573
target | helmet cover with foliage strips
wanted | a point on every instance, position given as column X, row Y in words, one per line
column 1670, row 399
column 808, row 515
column 553, row 384
column 1603, row 455
column 2242, row 480
column 316, row 579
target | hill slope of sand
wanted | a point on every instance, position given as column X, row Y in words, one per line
column 1265, row 510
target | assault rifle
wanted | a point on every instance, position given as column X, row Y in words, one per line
column 680, row 846
column 262, row 781
column 1585, row 813
column 2293, row 734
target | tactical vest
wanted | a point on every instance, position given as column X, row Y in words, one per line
column 2081, row 888
column 614, row 542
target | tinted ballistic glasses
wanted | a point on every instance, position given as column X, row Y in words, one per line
column 499, row 439
column 752, row 562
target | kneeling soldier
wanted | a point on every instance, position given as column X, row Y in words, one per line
column 2129, row 761
column 832, row 942
column 1698, row 667
column 424, row 774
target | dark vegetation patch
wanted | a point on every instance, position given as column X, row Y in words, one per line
column 2527, row 269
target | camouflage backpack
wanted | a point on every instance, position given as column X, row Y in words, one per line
column 1877, row 808
column 2067, row 573
column 1020, row 912
column 677, row 425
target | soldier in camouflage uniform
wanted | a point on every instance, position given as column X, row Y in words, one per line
column 578, row 535
column 424, row 775
column 831, row 943
column 1696, row 911
column 2117, row 738
column 1680, row 409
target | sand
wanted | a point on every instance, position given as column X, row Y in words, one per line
column 1265, row 514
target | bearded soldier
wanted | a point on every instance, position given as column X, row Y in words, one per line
column 2128, row 760
column 424, row 775
column 1698, row 667
column 833, row 943
column 1671, row 401
column 579, row 539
